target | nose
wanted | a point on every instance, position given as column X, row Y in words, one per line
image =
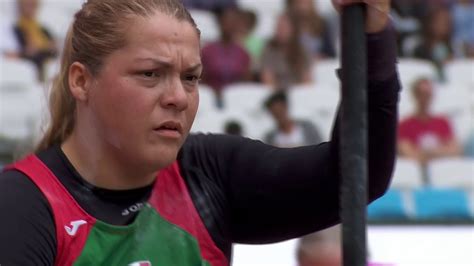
column 175, row 95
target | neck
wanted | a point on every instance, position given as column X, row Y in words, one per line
column 422, row 115
column 286, row 125
column 227, row 39
column 97, row 164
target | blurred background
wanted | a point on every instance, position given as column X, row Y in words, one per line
column 270, row 74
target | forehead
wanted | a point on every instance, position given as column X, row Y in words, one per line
column 163, row 36
column 423, row 87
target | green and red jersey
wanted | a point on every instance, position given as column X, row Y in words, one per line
column 167, row 231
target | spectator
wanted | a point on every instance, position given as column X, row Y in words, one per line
column 251, row 42
column 324, row 248
column 424, row 136
column 36, row 43
column 312, row 28
column 320, row 249
column 226, row 61
column 436, row 44
column 289, row 132
column 233, row 127
column 210, row 5
column 463, row 17
column 416, row 9
column 284, row 60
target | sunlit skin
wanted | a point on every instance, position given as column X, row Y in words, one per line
column 122, row 138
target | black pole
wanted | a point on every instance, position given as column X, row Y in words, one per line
column 353, row 144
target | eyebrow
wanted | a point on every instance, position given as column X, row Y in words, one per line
column 168, row 64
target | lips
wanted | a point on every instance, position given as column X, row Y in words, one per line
column 169, row 129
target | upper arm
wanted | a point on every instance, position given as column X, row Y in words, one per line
column 272, row 193
column 27, row 223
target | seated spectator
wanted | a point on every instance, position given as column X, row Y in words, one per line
column 289, row 132
column 251, row 42
column 36, row 43
column 284, row 61
column 324, row 248
column 226, row 61
column 233, row 127
column 312, row 28
column 424, row 136
column 411, row 9
column 209, row 5
column 436, row 43
column 463, row 16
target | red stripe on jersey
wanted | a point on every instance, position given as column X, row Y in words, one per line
column 73, row 224
column 171, row 199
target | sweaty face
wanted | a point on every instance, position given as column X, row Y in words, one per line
column 144, row 99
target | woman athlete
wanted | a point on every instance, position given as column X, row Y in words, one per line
column 116, row 180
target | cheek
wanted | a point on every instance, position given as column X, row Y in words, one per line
column 120, row 105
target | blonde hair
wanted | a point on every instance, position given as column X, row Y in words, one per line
column 97, row 31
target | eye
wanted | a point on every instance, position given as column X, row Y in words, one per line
column 149, row 74
column 193, row 79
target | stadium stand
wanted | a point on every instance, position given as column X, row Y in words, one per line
column 23, row 101
column 389, row 207
column 317, row 104
column 441, row 204
column 407, row 176
column 207, row 25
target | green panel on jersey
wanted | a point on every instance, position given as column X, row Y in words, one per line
column 149, row 238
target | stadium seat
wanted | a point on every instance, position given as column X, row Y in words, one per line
column 407, row 175
column 317, row 105
column 274, row 7
column 254, row 126
column 324, row 73
column 246, row 97
column 56, row 20
column 412, row 69
column 461, row 72
column 452, row 173
column 389, row 207
column 16, row 71
column 21, row 111
column 51, row 70
column 207, row 100
column 267, row 12
column 209, row 122
column 8, row 10
column 438, row 203
column 207, row 24
column 324, row 7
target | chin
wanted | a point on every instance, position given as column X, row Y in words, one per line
column 161, row 157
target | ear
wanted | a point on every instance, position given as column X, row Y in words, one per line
column 80, row 81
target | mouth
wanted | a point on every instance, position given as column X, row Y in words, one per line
column 169, row 129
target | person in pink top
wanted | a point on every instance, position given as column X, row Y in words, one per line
column 226, row 61
column 424, row 136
